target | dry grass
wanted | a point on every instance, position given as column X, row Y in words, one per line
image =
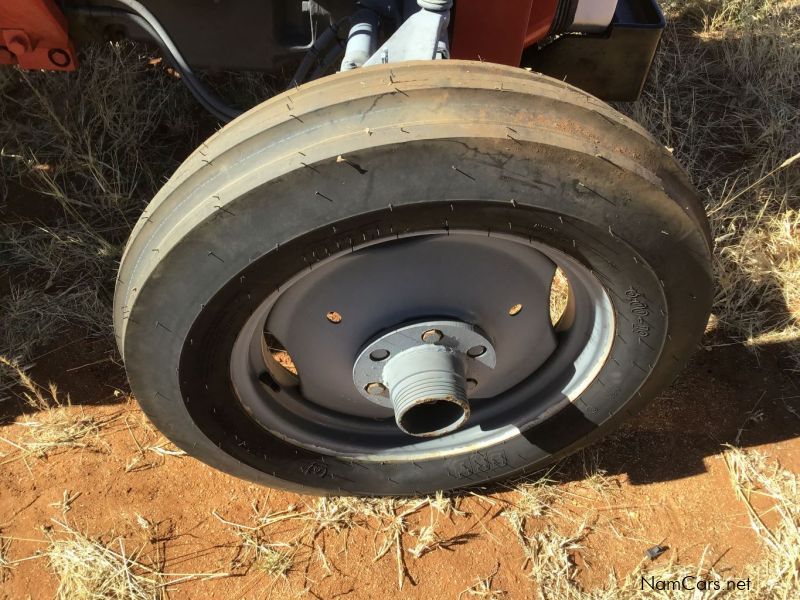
column 550, row 553
column 549, row 558
column 546, row 497
column 274, row 560
column 533, row 501
column 482, row 588
column 15, row 374
column 724, row 95
column 93, row 569
column 392, row 522
column 5, row 564
column 268, row 546
column 152, row 448
column 96, row 145
column 754, row 476
column 57, row 426
column 88, row 569
column 57, row 429
column 256, row 550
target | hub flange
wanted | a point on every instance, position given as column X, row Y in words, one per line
column 421, row 372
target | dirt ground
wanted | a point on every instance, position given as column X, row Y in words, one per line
column 660, row 480
column 96, row 504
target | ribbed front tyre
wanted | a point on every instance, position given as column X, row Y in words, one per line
column 420, row 207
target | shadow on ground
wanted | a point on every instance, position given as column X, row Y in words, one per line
column 727, row 395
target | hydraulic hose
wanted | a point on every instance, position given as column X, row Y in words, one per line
column 210, row 101
column 326, row 38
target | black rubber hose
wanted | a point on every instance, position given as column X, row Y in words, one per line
column 334, row 54
column 328, row 37
column 152, row 27
column 185, row 70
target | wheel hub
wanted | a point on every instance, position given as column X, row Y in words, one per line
column 425, row 373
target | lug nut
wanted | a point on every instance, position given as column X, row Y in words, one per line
column 376, row 389
column 432, row 336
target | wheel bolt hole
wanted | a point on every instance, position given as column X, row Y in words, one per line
column 379, row 355
column 472, row 384
column 515, row 310
column 334, row 317
column 375, row 389
column 278, row 353
column 432, row 336
column 476, row 351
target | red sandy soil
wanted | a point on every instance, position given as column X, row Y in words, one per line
column 667, row 483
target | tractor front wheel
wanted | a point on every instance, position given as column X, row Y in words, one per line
column 412, row 277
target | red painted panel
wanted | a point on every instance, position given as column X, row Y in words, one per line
column 499, row 31
column 33, row 34
column 542, row 15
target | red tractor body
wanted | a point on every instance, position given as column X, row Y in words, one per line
column 33, row 34
column 603, row 46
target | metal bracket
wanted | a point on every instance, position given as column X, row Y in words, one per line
column 423, row 36
column 33, row 34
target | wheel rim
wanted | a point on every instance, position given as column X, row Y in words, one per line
column 325, row 316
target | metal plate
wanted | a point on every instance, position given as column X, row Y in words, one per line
column 466, row 278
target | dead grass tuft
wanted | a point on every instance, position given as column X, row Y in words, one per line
column 549, row 558
column 152, row 449
column 57, row 425
column 336, row 513
column 14, row 374
column 88, row 569
column 92, row 569
column 428, row 540
column 482, row 588
column 753, row 475
column 274, row 560
column 257, row 551
column 550, row 555
column 57, row 429
column 5, row 564
column 446, row 505
column 533, row 500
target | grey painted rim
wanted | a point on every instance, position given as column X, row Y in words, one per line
column 540, row 373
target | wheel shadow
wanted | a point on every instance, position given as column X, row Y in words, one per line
column 727, row 395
